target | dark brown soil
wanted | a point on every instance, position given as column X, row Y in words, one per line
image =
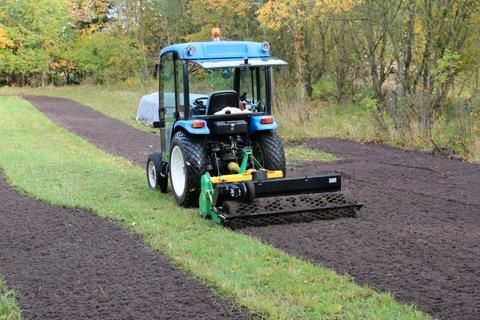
column 106, row 133
column 418, row 235
column 68, row 264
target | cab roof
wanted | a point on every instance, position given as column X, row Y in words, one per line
column 218, row 50
column 236, row 63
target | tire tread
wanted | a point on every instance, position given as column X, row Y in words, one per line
column 156, row 158
column 274, row 153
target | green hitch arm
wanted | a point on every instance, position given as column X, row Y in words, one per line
column 247, row 152
column 207, row 199
column 247, row 155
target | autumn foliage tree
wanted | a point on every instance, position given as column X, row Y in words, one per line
column 397, row 49
column 61, row 41
column 235, row 17
column 295, row 20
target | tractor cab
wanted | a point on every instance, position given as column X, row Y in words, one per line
column 217, row 87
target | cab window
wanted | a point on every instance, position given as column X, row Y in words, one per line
column 180, row 87
column 167, row 85
column 252, row 88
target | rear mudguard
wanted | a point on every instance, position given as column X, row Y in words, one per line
column 187, row 125
column 256, row 125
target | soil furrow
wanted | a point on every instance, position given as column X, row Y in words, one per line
column 418, row 235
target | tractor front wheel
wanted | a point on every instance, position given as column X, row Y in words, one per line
column 188, row 162
column 268, row 150
column 155, row 177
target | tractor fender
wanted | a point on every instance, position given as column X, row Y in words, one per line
column 187, row 125
column 256, row 125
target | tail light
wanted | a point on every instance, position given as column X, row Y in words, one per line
column 198, row 124
column 266, row 120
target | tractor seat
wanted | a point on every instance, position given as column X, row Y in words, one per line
column 221, row 99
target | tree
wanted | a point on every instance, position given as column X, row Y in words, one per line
column 294, row 19
column 91, row 15
column 236, row 18
column 5, row 41
column 35, row 29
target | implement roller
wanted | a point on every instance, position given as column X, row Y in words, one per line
column 260, row 193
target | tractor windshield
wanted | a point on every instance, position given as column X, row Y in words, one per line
column 205, row 81
column 248, row 82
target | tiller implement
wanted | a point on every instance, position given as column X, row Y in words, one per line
column 219, row 146
column 261, row 193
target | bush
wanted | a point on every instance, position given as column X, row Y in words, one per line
column 97, row 60
column 324, row 89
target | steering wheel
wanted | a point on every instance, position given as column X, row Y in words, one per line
column 200, row 106
column 199, row 102
column 255, row 107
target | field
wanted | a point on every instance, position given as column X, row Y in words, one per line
column 68, row 171
column 378, row 146
column 378, row 235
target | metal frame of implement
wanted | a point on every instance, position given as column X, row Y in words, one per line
column 258, row 183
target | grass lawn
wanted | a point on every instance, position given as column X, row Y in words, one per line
column 298, row 154
column 9, row 309
column 69, row 171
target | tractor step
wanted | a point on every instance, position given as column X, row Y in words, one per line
column 300, row 208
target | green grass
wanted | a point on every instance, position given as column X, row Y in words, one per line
column 314, row 120
column 69, row 171
column 299, row 154
column 9, row 309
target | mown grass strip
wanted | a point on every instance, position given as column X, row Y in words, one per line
column 50, row 163
column 299, row 154
column 9, row 309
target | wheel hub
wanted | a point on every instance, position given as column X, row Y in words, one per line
column 177, row 169
column 152, row 174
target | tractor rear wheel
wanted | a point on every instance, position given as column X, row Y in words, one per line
column 268, row 150
column 155, row 177
column 188, row 162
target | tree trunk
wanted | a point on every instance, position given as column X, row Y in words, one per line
column 341, row 63
column 376, row 75
column 299, row 55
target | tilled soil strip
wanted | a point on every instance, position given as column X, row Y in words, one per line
column 418, row 235
column 102, row 131
column 69, row 264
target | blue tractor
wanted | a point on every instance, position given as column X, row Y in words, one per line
column 219, row 146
